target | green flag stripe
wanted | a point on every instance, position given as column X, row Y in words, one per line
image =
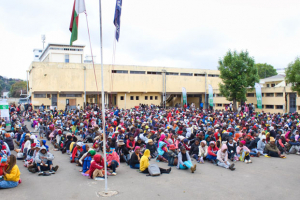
column 4, row 107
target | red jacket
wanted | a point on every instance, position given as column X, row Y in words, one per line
column 130, row 143
column 97, row 163
column 210, row 150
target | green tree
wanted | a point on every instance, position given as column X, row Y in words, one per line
column 265, row 70
column 238, row 73
column 292, row 75
column 16, row 88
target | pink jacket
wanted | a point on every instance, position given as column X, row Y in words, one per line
column 112, row 156
column 244, row 148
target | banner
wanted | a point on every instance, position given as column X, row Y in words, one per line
column 4, row 110
column 211, row 96
column 258, row 95
column 184, row 99
column 117, row 18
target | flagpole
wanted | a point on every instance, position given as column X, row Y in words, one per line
column 102, row 98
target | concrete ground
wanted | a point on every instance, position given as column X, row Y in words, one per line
column 265, row 178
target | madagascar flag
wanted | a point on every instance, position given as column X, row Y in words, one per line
column 79, row 7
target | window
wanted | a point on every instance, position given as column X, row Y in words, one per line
column 269, row 106
column 156, row 97
column 137, row 98
column 190, row 95
column 36, row 56
column 48, row 95
column 137, row 72
column 199, row 74
column 39, row 95
column 219, row 105
column 279, row 107
column 172, row 73
column 213, row 75
column 70, row 95
column 157, row 73
column 122, row 98
column 48, row 107
column 250, row 94
column 262, row 94
column 40, row 51
column 279, row 94
column 269, row 94
column 67, row 58
column 146, row 97
column 186, row 74
column 151, row 97
column 119, row 71
column 268, row 85
column 219, row 95
column 273, row 85
column 36, row 107
column 131, row 98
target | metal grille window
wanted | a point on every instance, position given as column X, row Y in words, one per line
column 121, row 97
column 213, row 75
column 279, row 94
column 146, row 97
column 199, row 74
column 269, row 94
column 131, row 98
column 186, row 74
column 279, row 106
column 157, row 73
column 172, row 73
column 39, row 95
column 269, row 106
column 119, row 71
column 137, row 72
column 250, row 94
column 156, row 97
column 70, row 95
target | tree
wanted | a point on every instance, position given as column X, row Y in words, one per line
column 292, row 75
column 238, row 73
column 265, row 70
column 16, row 88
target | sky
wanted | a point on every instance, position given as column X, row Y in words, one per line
column 168, row 33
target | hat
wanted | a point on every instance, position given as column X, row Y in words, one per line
column 79, row 144
column 137, row 147
column 33, row 144
column 150, row 141
column 59, row 131
column 263, row 137
column 282, row 135
column 172, row 147
column 272, row 139
column 92, row 152
column 243, row 142
column 120, row 142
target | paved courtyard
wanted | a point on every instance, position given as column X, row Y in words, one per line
column 265, row 178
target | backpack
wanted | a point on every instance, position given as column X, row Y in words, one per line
column 153, row 170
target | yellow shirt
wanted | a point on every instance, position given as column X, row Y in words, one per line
column 144, row 162
column 14, row 175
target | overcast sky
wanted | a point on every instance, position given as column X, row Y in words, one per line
column 171, row 33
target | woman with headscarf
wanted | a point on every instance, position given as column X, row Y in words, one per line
column 222, row 158
column 76, row 152
column 86, row 160
column 135, row 158
column 11, row 174
column 85, row 149
column 144, row 164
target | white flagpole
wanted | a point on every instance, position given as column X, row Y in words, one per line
column 102, row 98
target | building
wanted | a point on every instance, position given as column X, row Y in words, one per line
column 36, row 54
column 59, row 53
column 66, row 81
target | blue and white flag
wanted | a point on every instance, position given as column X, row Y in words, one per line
column 117, row 19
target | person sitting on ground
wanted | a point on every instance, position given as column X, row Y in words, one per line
column 11, row 174
column 123, row 152
column 130, row 144
column 86, row 160
column 9, row 141
column 184, row 160
column 44, row 162
column 96, row 167
column 162, row 152
column 261, row 144
column 194, row 152
column 231, row 149
column 76, row 152
column 135, row 158
column 173, row 156
column 294, row 146
column 212, row 152
column 222, row 158
column 112, row 159
column 144, row 164
column 272, row 150
column 85, row 149
column 243, row 152
column 152, row 148
column 202, row 151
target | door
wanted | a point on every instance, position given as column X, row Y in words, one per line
column 293, row 102
column 54, row 100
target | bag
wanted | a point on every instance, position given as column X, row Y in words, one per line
column 153, row 170
column 20, row 156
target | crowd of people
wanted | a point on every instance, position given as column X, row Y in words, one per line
column 134, row 136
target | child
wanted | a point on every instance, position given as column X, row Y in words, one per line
column 130, row 143
column 294, row 146
column 135, row 158
column 231, row 148
column 195, row 150
column 96, row 167
column 152, row 148
column 212, row 152
column 202, row 151
column 173, row 156
column 184, row 161
column 243, row 152
column 222, row 158
column 123, row 152
column 162, row 152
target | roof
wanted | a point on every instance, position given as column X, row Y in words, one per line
column 279, row 77
column 60, row 45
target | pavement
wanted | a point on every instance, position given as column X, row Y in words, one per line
column 265, row 178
